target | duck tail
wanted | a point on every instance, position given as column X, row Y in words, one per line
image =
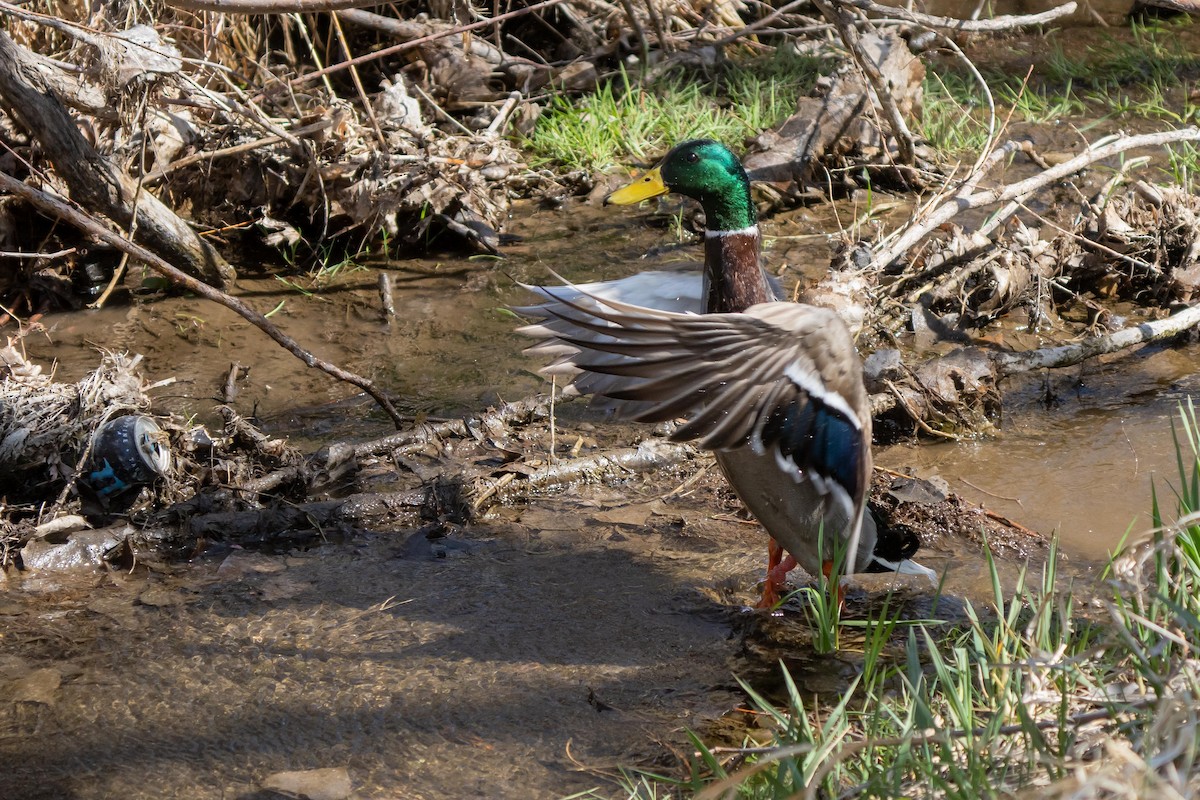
column 856, row 524
column 906, row 567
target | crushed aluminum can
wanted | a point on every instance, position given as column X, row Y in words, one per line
column 127, row 452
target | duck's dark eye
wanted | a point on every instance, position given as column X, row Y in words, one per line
column 692, row 158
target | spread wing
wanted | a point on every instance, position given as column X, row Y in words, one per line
column 780, row 377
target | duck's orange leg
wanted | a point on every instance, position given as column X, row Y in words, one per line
column 779, row 563
column 827, row 571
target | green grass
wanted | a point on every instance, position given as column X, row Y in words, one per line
column 1025, row 698
column 622, row 120
column 1150, row 77
column 1183, row 165
column 952, row 119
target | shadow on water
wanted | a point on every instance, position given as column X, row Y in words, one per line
column 457, row 677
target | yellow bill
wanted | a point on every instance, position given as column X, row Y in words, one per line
column 645, row 187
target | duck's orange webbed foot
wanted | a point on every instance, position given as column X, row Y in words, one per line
column 779, row 564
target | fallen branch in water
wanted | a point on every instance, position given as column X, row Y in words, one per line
column 1070, row 354
column 361, row 509
column 952, row 391
column 492, row 421
column 612, row 465
column 58, row 208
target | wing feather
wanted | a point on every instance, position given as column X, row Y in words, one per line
column 774, row 377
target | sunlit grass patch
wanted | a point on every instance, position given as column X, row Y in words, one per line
column 623, row 120
column 1039, row 105
column 1183, row 166
column 1154, row 54
column 951, row 119
column 1145, row 77
column 1152, row 76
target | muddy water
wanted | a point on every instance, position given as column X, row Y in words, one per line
column 1082, row 465
column 527, row 657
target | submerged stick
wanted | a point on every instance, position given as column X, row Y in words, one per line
column 57, row 208
column 496, row 419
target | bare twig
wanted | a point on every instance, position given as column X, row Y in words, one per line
column 1001, row 23
column 270, row 6
column 55, row 254
column 614, row 464
column 403, row 46
column 496, row 128
column 494, row 419
column 761, row 24
column 238, row 149
column 368, row 107
column 638, row 30
column 388, row 305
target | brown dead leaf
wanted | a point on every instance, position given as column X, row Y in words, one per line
column 39, row 686
column 634, row 514
column 332, row 783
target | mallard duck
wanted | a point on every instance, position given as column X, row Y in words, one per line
column 774, row 388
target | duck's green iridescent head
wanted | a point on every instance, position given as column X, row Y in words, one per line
column 706, row 171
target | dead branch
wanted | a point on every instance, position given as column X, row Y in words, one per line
column 403, row 46
column 1071, row 354
column 965, row 198
column 55, row 207
column 936, row 404
column 271, row 6
column 408, row 30
column 1001, row 23
column 225, row 152
column 93, row 180
column 760, row 25
column 613, row 465
column 494, row 421
column 357, row 509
